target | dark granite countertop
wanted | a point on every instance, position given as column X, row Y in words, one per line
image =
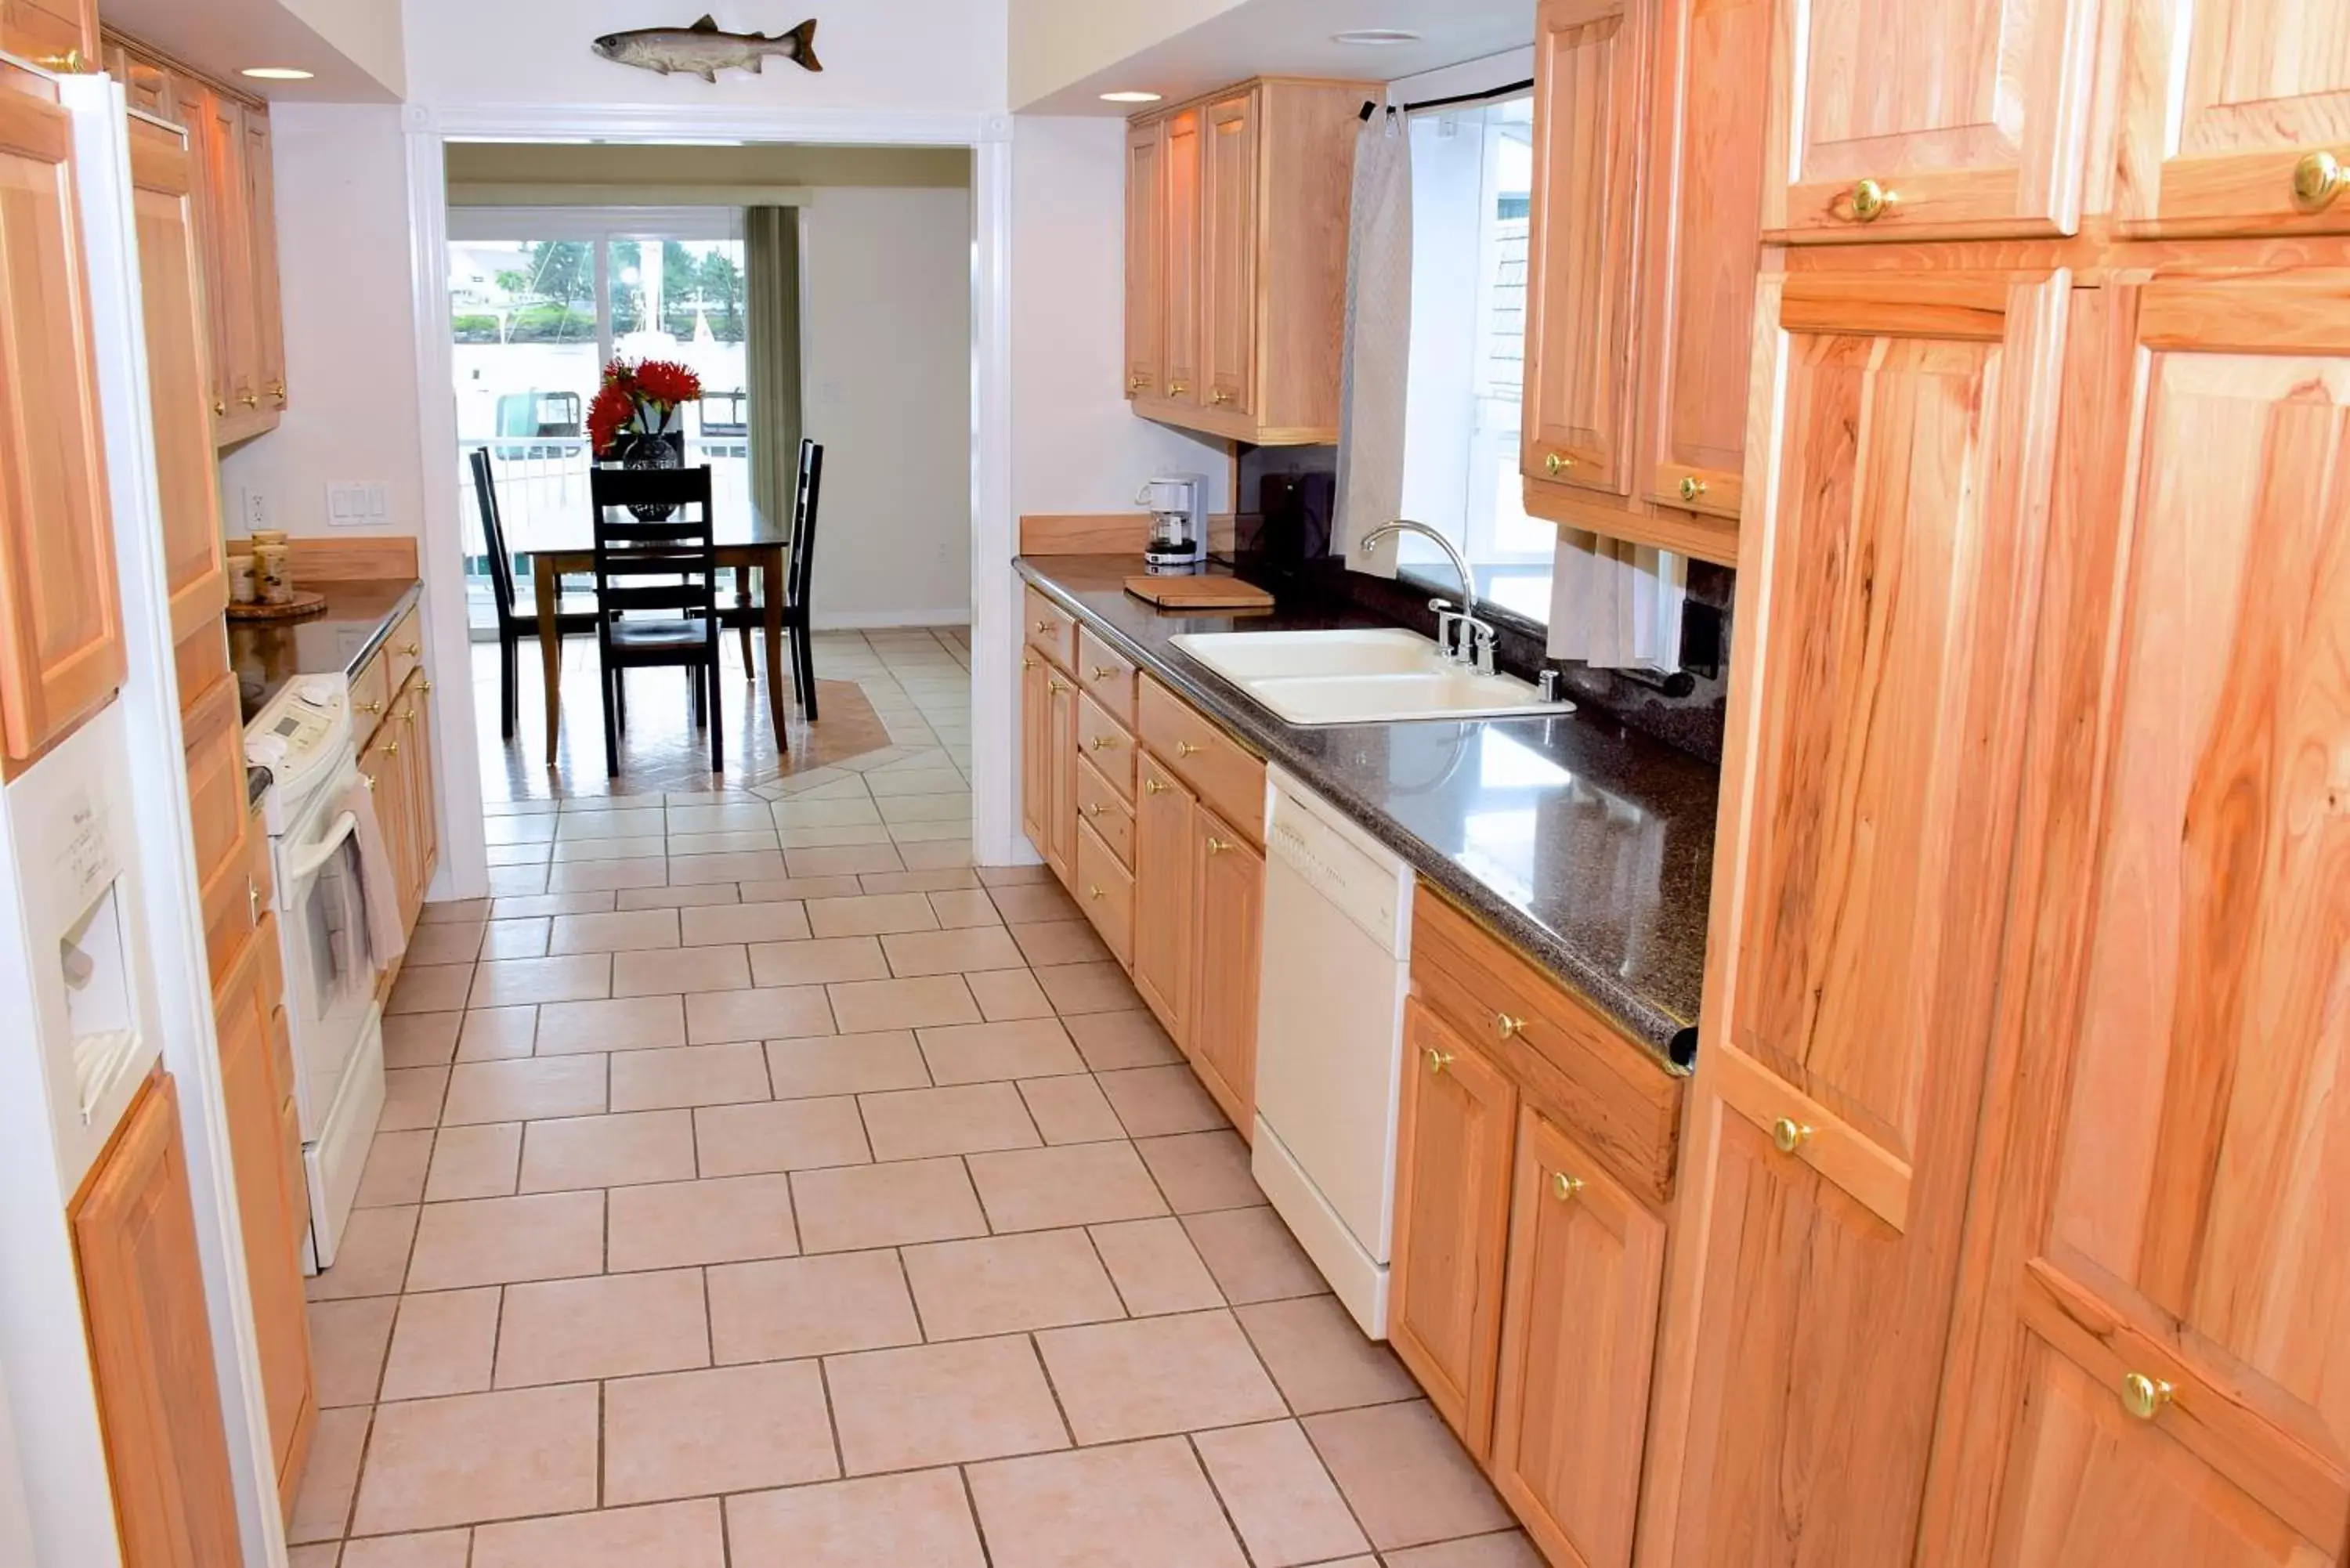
column 1582, row 843
column 359, row 616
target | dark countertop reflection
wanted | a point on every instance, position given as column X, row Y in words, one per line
column 1585, row 843
column 266, row 654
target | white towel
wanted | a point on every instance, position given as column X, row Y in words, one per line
column 379, row 889
column 1615, row 604
column 1375, row 366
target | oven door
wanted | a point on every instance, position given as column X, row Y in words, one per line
column 329, row 971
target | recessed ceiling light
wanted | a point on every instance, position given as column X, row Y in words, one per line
column 1374, row 37
column 276, row 73
column 1131, row 98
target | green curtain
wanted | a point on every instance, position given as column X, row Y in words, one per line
column 771, row 237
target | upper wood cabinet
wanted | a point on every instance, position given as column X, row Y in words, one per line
column 1243, row 199
column 1590, row 64
column 1903, row 453
column 234, row 208
column 151, row 1346
column 163, row 183
column 55, row 34
column 2159, row 1302
column 61, row 655
column 1929, row 119
column 2235, row 117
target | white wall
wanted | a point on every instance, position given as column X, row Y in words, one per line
column 1056, row 42
column 916, row 56
column 350, row 347
column 1077, row 446
column 885, row 346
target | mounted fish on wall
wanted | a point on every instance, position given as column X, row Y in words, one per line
column 704, row 50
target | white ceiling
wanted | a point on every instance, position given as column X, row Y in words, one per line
column 222, row 38
column 1293, row 37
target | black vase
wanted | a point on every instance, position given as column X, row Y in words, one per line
column 643, row 450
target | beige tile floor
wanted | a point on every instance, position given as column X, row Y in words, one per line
column 735, row 1208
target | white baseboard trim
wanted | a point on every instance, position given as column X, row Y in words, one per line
column 885, row 621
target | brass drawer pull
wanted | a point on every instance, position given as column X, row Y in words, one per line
column 1042, row 628
column 68, row 63
column 2317, row 179
column 1219, row 399
column 1103, row 672
column 1136, row 383
column 1557, row 461
column 1788, row 1135
column 1691, row 487
column 1092, row 808
column 1564, row 1187
column 1152, row 787
column 1186, row 749
column 1438, row 1061
column 2144, row 1397
column 1177, row 389
column 1507, row 1027
column 1217, row 846
column 1103, row 743
column 1869, row 200
column 370, row 707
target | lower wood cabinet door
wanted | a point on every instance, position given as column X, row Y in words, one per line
column 270, row 1213
column 1061, row 737
column 1227, row 945
column 150, row 1346
column 1451, row 1221
column 1163, row 896
column 1579, row 1341
column 415, row 715
column 387, row 779
column 1035, row 750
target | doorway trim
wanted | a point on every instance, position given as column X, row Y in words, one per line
column 428, row 129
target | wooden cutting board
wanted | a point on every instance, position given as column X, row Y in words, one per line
column 1201, row 593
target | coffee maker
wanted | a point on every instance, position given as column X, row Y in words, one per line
column 1177, row 504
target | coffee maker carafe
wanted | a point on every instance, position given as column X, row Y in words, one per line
column 1177, row 504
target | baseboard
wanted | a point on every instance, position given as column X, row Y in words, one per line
column 887, row 620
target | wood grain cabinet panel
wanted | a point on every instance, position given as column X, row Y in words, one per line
column 1228, row 251
column 150, row 1346
column 1061, row 822
column 218, row 121
column 1455, row 1135
column 2162, row 1289
column 171, row 277
column 422, row 803
column 1035, row 750
column 1162, row 915
column 1185, row 157
column 2235, row 117
column 1927, row 119
column 1590, row 64
column 1578, row 1338
column 1105, row 892
column 1146, row 257
column 1903, row 447
column 1228, row 949
column 264, row 298
column 61, row 655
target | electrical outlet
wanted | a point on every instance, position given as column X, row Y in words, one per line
column 356, row 504
column 253, row 507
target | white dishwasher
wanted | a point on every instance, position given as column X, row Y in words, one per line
column 1337, row 956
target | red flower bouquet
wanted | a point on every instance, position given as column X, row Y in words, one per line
column 639, row 400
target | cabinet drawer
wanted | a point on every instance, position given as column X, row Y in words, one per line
column 1105, row 742
column 1102, row 808
column 1610, row 1095
column 1105, row 892
column 403, row 651
column 1228, row 781
column 1107, row 678
column 1049, row 629
column 371, row 690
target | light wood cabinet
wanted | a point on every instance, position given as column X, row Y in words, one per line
column 1035, row 749
column 1931, row 120
column 2235, row 117
column 1590, row 60
column 263, row 299
column 419, row 800
column 1061, row 824
column 2162, row 1281
column 55, row 34
column 1105, row 892
column 1228, row 944
column 1455, row 1135
column 1578, row 1338
column 151, row 1345
column 1891, row 550
column 61, row 655
column 1162, row 917
column 256, row 1094
column 1234, row 315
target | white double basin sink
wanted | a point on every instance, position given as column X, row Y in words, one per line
column 1362, row 677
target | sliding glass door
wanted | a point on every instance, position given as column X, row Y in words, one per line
column 541, row 298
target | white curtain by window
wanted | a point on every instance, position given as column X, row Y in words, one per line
column 771, row 267
column 1378, row 341
column 1615, row 604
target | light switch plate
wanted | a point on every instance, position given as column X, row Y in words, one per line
column 356, row 504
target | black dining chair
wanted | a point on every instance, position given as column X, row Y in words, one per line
column 576, row 616
column 797, row 576
column 667, row 565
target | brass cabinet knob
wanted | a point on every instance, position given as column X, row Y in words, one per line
column 1438, row 1060
column 1152, row 787
column 423, row 684
column 1186, row 749
column 1092, row 808
column 1136, row 383
column 253, row 900
column 1103, row 671
column 368, row 780
column 250, row 400
column 1220, row 398
column 406, row 715
column 1788, row 1135
column 2317, row 179
column 1507, row 1027
column 220, row 405
column 370, row 707
column 1869, row 200
column 1177, row 389
column 1103, row 743
column 2144, row 1397
column 1092, row 891
column 68, row 63
column 1691, row 487
column 1044, row 627
column 413, row 650
column 391, row 748
column 1563, row 1185
column 1026, row 663
column 277, row 391
column 1055, row 687
column 1555, row 462
column 1217, row 846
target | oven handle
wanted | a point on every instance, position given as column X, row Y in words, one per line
column 307, row 863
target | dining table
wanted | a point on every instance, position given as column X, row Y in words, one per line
column 745, row 539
